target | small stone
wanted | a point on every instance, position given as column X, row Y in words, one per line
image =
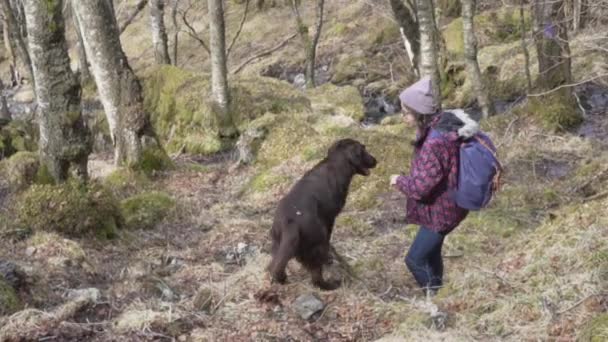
column 307, row 305
column 30, row 251
column 91, row 294
column 182, row 338
column 241, row 248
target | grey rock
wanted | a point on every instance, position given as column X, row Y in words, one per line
column 307, row 305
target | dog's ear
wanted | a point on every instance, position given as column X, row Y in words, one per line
column 335, row 147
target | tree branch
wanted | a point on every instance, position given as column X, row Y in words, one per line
column 263, row 54
column 319, row 23
column 238, row 32
column 138, row 8
column 192, row 32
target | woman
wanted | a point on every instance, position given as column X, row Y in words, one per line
column 434, row 171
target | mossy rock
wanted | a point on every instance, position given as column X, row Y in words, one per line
column 556, row 111
column 145, row 210
column 184, row 117
column 595, row 330
column 21, row 170
column 335, row 100
column 72, row 209
column 390, row 145
column 493, row 27
column 153, row 159
column 349, row 67
column 17, row 136
column 288, row 137
column 9, row 301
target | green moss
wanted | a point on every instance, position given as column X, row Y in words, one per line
column 43, row 176
column 9, row 302
column 392, row 149
column 184, row 118
column 493, row 27
column 596, row 330
column 145, row 210
column 153, row 159
column 126, row 182
column 72, row 209
column 266, row 180
column 334, row 100
column 556, row 111
column 21, row 169
column 349, row 67
column 288, row 137
column 355, row 225
column 17, row 136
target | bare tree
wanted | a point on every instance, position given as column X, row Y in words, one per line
column 524, row 44
column 15, row 35
column 83, row 63
column 219, row 70
column 159, row 32
column 64, row 138
column 5, row 114
column 138, row 8
column 310, row 43
column 551, row 38
column 405, row 15
column 428, row 46
column 119, row 89
column 470, row 55
column 176, row 29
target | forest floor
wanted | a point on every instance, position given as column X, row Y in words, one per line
column 531, row 267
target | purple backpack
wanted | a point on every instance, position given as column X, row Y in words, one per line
column 478, row 172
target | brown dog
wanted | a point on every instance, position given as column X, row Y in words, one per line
column 305, row 217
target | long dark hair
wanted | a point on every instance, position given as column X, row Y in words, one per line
column 423, row 123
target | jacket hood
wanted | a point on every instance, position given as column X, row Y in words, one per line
column 457, row 120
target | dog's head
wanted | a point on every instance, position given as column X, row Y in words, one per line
column 354, row 153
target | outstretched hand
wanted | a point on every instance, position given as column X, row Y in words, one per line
column 393, row 180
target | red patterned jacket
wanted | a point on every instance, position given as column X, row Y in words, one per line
column 434, row 170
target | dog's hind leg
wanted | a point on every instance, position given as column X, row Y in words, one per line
column 282, row 253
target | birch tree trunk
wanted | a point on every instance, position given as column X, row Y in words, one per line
column 219, row 70
column 5, row 114
column 64, row 138
column 83, row 63
column 20, row 46
column 119, row 89
column 428, row 47
column 310, row 44
column 551, row 38
column 159, row 32
column 175, row 30
column 406, row 18
column 470, row 54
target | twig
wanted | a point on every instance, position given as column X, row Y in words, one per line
column 263, row 54
column 504, row 137
column 192, row 32
column 568, row 86
column 138, row 8
column 579, row 302
column 238, row 32
column 593, row 179
column 595, row 197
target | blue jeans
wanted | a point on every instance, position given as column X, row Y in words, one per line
column 424, row 258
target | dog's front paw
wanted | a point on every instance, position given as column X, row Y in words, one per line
column 280, row 278
column 329, row 285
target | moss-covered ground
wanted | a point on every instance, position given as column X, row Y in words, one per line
column 189, row 243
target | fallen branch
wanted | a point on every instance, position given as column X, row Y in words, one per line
column 263, row 54
column 595, row 197
column 568, row 86
column 579, row 302
column 138, row 8
column 23, row 324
